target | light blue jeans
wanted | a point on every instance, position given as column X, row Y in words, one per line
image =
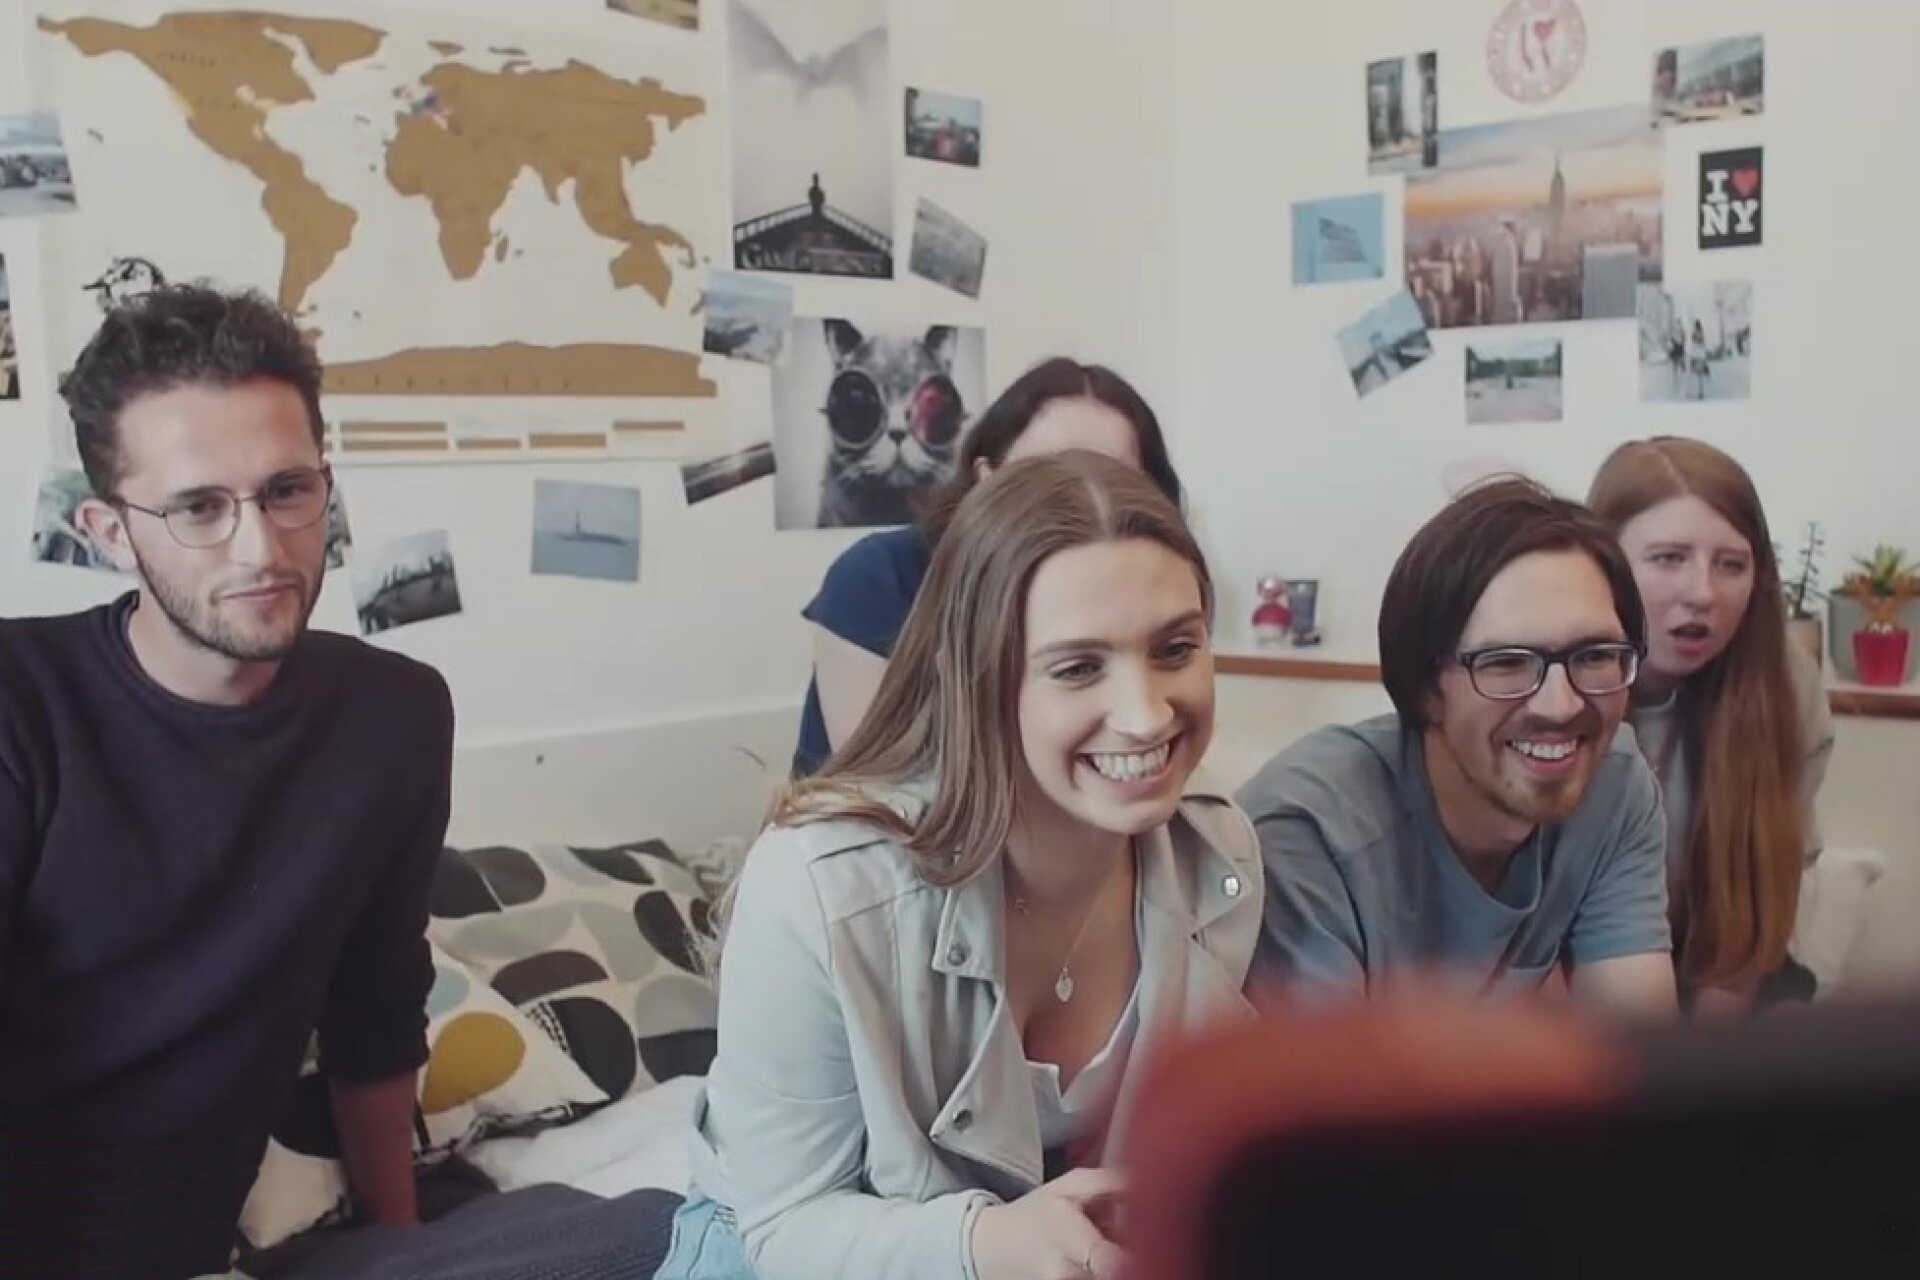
column 705, row 1244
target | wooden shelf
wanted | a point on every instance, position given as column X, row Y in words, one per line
column 1902, row 703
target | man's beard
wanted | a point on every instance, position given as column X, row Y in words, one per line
column 200, row 621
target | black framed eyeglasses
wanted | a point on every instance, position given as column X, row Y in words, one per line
column 1510, row 672
column 209, row 517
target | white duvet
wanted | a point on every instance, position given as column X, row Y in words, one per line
column 637, row 1142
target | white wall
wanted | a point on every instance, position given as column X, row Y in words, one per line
column 712, row 628
column 1292, row 473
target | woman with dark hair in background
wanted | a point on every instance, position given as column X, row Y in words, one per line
column 953, row 948
column 1731, row 716
column 863, row 601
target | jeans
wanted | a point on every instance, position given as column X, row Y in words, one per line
column 705, row 1245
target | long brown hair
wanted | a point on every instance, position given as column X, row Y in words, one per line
column 947, row 706
column 1740, row 727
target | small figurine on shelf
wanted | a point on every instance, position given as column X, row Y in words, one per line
column 1272, row 619
column 1303, row 594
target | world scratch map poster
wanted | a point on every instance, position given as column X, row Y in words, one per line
column 450, row 214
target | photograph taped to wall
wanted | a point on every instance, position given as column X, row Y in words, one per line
column 57, row 535
column 1696, row 341
column 339, row 535
column 1403, row 113
column 745, row 317
column 35, row 176
column 1714, row 80
column 946, row 250
column 122, row 280
column 944, row 127
column 586, row 530
column 812, row 137
column 684, row 14
column 408, row 580
column 9, row 353
column 868, row 418
column 1731, row 198
column 1543, row 219
column 1338, row 238
column 1388, row 340
column 715, row 476
column 1513, row 379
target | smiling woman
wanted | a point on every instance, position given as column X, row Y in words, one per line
column 952, row 944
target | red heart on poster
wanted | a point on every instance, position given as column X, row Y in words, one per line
column 1544, row 28
column 1745, row 180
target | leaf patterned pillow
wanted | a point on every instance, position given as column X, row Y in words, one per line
column 599, row 947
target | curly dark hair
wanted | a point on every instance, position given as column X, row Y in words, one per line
column 173, row 336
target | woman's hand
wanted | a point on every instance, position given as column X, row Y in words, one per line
column 1051, row 1233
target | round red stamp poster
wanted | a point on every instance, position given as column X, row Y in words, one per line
column 1536, row 47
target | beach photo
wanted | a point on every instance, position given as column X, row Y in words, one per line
column 744, row 317
column 946, row 250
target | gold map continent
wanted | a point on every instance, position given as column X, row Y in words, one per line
column 460, row 149
column 464, row 149
column 229, row 72
column 521, row 369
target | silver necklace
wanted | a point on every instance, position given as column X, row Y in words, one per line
column 1063, row 985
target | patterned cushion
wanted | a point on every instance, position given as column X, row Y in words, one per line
column 488, row 1071
column 600, row 947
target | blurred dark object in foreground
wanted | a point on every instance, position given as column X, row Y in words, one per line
column 1433, row 1137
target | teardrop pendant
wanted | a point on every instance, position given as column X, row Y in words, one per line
column 1063, row 989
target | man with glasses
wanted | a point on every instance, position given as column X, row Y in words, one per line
column 217, row 828
column 1498, row 829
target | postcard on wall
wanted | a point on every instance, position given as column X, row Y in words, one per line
column 9, row 353
column 867, row 419
column 1540, row 219
column 1515, row 379
column 1403, row 113
column 409, row 580
column 339, row 535
column 944, row 127
column 1696, row 341
column 35, row 177
column 715, row 476
column 946, row 250
column 1731, row 193
column 745, row 317
column 57, row 535
column 812, row 137
column 586, row 530
column 1337, row 239
column 1384, row 343
column 1716, row 80
column 684, row 14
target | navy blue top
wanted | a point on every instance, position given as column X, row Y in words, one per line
column 864, row 599
column 186, row 892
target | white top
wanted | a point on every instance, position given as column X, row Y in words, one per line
column 1064, row 1117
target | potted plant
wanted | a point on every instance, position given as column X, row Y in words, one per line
column 1884, row 582
column 1803, row 591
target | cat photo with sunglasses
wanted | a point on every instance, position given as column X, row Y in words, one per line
column 868, row 419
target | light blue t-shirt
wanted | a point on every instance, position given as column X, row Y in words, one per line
column 1362, row 882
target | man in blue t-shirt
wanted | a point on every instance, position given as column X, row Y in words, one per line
column 1499, row 828
column 218, row 829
